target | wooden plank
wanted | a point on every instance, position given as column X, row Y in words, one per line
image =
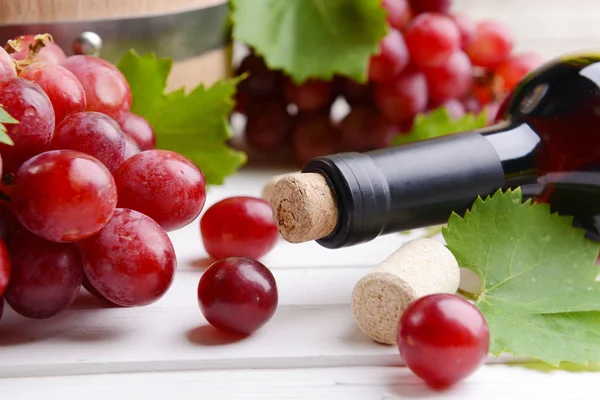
column 354, row 383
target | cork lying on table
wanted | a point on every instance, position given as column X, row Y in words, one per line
column 304, row 207
column 418, row 268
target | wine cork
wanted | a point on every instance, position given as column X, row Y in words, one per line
column 418, row 268
column 304, row 207
column 269, row 187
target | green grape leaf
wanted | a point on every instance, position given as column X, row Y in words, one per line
column 439, row 123
column 5, row 118
column 538, row 277
column 193, row 124
column 312, row 38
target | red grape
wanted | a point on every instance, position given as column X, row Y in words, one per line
column 5, row 267
column 239, row 226
column 62, row 87
column 491, row 110
column 472, row 104
column 8, row 222
column 467, row 29
column 314, row 136
column 106, row 89
column 515, row 68
column 7, row 66
column 51, row 52
column 268, row 126
column 431, row 39
column 64, row 195
column 237, row 295
column 1, row 307
column 483, row 91
column 311, row 95
column 164, row 185
column 261, row 83
column 138, row 128
column 443, row 339
column 131, row 261
column 46, row 276
column 455, row 108
column 131, row 147
column 26, row 102
column 398, row 13
column 391, row 60
column 364, row 129
column 403, row 98
column 451, row 80
column 491, row 45
column 437, row 6
column 355, row 93
column 92, row 133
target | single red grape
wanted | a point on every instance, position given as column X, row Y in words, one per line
column 467, row 29
column 62, row 87
column 403, row 98
column 92, row 133
column 46, row 276
column 435, row 6
column 398, row 13
column 268, row 126
column 5, row 267
column 311, row 95
column 443, row 339
column 451, row 80
column 237, row 295
column 355, row 93
column 51, row 52
column 64, row 195
column 138, row 128
column 365, row 129
column 131, row 147
column 391, row 59
column 491, row 45
column 164, row 185
column 140, row 258
column 314, row 136
column 431, row 39
column 516, row 67
column 106, row 89
column 7, row 66
column 26, row 102
column 239, row 226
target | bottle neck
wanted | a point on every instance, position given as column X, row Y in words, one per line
column 421, row 184
column 515, row 144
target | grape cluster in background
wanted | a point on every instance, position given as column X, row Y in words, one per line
column 431, row 57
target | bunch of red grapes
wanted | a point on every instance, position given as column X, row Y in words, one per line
column 87, row 198
column 429, row 58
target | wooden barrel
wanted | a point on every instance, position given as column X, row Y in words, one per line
column 194, row 33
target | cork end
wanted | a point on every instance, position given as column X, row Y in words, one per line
column 378, row 301
column 304, row 207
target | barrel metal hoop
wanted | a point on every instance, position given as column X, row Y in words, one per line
column 179, row 35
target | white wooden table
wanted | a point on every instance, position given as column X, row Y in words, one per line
column 311, row 349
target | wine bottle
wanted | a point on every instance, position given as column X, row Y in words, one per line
column 548, row 145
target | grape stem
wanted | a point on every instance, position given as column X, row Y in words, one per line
column 38, row 44
column 467, row 295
